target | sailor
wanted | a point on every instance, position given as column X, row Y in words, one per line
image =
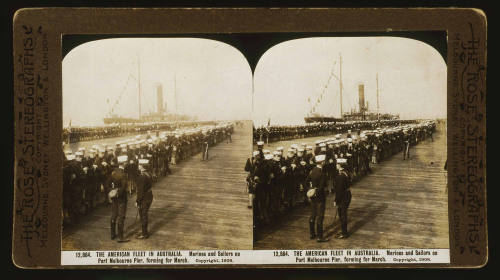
column 342, row 195
column 144, row 197
column 260, row 147
column 317, row 184
column 118, row 197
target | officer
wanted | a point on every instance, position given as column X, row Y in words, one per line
column 204, row 150
column 317, row 183
column 250, row 168
column 342, row 195
column 118, row 197
column 407, row 142
column 144, row 197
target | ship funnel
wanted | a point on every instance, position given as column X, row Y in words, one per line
column 159, row 99
column 361, row 89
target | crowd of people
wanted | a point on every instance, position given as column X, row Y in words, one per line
column 280, row 180
column 86, row 133
column 87, row 173
column 273, row 133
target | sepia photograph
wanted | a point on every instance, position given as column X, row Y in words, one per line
column 350, row 146
column 155, row 134
column 249, row 138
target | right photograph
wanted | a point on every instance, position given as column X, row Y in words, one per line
column 349, row 145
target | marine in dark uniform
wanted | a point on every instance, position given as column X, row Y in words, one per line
column 342, row 195
column 144, row 197
column 118, row 196
column 317, row 183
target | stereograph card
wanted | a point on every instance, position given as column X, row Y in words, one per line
column 249, row 137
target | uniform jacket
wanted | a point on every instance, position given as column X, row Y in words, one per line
column 144, row 192
column 342, row 184
column 119, row 181
column 318, row 180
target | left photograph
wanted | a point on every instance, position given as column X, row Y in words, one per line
column 155, row 134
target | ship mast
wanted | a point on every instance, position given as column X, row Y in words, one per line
column 175, row 93
column 378, row 114
column 340, row 83
column 139, row 84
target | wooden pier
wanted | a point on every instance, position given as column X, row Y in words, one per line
column 402, row 204
column 201, row 205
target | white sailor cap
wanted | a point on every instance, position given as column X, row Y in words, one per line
column 320, row 158
column 341, row 161
column 104, row 163
column 122, row 159
column 81, row 149
column 70, row 157
column 317, row 142
column 260, row 143
column 294, row 146
column 322, row 145
column 255, row 153
column 276, row 153
column 78, row 153
column 300, row 150
column 291, row 150
column 309, row 147
column 338, row 136
column 266, row 152
column 268, row 156
column 143, row 161
column 349, row 140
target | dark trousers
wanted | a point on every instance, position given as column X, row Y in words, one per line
column 143, row 215
column 317, row 214
column 342, row 210
column 118, row 212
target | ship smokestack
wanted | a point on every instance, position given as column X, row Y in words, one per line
column 361, row 88
column 159, row 99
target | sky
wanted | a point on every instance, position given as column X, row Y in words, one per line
column 411, row 74
column 211, row 79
